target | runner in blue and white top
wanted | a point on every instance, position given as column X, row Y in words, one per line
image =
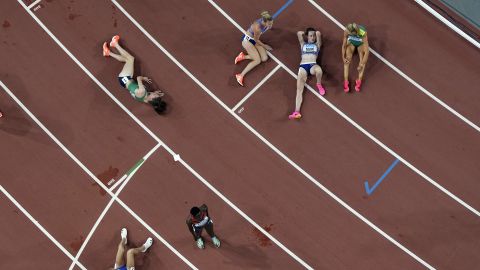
column 256, row 49
column 308, row 66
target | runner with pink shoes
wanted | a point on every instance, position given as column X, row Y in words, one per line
column 308, row 66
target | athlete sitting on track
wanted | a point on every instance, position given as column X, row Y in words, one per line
column 120, row 260
column 355, row 36
column 308, row 66
column 137, row 89
column 256, row 49
column 196, row 221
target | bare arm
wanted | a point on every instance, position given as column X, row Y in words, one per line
column 301, row 38
column 319, row 39
column 256, row 37
column 190, row 228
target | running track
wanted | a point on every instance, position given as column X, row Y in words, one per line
column 252, row 166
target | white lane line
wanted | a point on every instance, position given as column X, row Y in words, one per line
column 256, row 87
column 41, row 228
column 110, row 203
column 176, row 156
column 448, row 23
column 344, row 116
column 136, row 167
column 87, row 171
column 401, row 73
column 298, row 259
column 34, row 4
column 308, row 176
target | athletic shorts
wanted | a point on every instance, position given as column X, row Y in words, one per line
column 308, row 67
column 252, row 40
column 123, row 80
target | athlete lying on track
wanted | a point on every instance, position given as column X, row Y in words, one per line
column 354, row 37
column 308, row 66
column 120, row 260
column 256, row 49
column 136, row 88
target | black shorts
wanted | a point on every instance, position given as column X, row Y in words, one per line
column 123, row 80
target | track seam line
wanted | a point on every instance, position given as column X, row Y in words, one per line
column 41, row 228
column 361, row 129
column 331, row 194
column 141, row 125
column 89, row 173
column 34, row 4
column 401, row 73
column 256, row 88
column 110, row 203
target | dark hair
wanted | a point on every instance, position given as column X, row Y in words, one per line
column 158, row 105
column 309, row 29
column 194, row 211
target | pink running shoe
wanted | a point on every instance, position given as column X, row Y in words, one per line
column 239, row 78
column 320, row 88
column 106, row 50
column 295, row 115
column 346, row 88
column 240, row 57
column 358, row 83
column 114, row 41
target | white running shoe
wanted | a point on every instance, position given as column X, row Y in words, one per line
column 216, row 242
column 147, row 244
column 123, row 234
column 200, row 243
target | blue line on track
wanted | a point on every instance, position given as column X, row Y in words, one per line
column 282, row 9
column 370, row 190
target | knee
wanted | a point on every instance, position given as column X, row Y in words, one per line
column 130, row 58
column 264, row 58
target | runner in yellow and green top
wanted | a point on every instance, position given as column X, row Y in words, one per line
column 354, row 37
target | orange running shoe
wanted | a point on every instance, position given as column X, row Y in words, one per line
column 114, row 41
column 239, row 78
column 240, row 57
column 106, row 50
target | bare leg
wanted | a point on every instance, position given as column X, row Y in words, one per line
column 302, row 79
column 362, row 53
column 134, row 251
column 348, row 56
column 253, row 55
column 262, row 52
column 119, row 260
column 122, row 51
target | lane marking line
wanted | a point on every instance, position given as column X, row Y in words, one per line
column 402, row 74
column 92, row 176
column 256, row 88
column 41, row 228
column 356, row 125
column 173, row 59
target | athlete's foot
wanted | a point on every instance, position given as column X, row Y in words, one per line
column 295, row 115
column 106, row 50
column 346, row 87
column 239, row 78
column 358, row 83
column 216, row 242
column 320, row 88
column 123, row 234
column 147, row 244
column 114, row 41
column 200, row 243
column 240, row 57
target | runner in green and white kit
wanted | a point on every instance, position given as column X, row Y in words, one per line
column 136, row 88
column 354, row 37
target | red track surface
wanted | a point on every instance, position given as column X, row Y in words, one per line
column 279, row 198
